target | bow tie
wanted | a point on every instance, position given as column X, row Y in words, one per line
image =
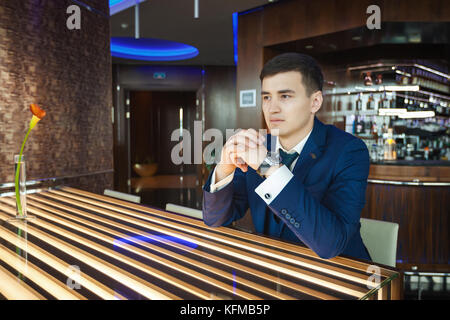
column 287, row 158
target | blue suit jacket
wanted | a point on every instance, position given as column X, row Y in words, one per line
column 319, row 207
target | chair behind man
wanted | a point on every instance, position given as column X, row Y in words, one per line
column 380, row 239
column 194, row 213
column 122, row 196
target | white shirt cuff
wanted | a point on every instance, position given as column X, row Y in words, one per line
column 269, row 189
column 221, row 184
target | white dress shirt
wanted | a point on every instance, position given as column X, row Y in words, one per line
column 275, row 183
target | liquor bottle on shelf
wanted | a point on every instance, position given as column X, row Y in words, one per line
column 368, row 79
column 384, row 102
column 370, row 103
column 359, row 102
column 414, row 78
column 384, row 129
column 409, row 152
column 358, row 125
column 350, row 106
column 373, row 152
column 374, row 130
column 404, row 80
column 426, row 153
column 393, row 102
column 389, row 147
column 367, row 127
column 379, row 79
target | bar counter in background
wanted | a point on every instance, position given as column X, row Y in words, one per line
column 82, row 245
column 416, row 195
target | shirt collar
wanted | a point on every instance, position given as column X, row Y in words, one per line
column 298, row 148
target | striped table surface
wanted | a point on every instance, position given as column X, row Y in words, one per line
column 81, row 245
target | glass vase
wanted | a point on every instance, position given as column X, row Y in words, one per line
column 21, row 193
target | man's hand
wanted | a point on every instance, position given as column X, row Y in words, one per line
column 243, row 149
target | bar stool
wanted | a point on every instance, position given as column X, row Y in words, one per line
column 122, row 196
column 194, row 213
column 380, row 239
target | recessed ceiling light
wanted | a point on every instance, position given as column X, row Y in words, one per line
column 356, row 38
column 310, row 46
column 124, row 25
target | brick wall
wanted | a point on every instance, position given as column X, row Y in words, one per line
column 68, row 73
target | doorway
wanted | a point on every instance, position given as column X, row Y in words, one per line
column 154, row 116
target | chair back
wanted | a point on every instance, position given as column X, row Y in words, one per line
column 194, row 213
column 380, row 239
column 122, row 196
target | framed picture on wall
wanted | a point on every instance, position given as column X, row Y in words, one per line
column 247, row 98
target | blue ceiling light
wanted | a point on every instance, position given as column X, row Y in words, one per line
column 235, row 36
column 149, row 49
column 120, row 5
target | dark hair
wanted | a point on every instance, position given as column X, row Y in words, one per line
column 308, row 67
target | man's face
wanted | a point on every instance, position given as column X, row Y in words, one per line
column 286, row 105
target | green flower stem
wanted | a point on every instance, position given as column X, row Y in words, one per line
column 19, row 204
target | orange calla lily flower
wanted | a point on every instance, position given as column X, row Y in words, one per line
column 37, row 111
column 38, row 114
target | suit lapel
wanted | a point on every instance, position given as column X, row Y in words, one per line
column 312, row 150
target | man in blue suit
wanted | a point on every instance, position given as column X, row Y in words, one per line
column 306, row 181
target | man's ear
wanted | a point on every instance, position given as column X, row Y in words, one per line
column 317, row 100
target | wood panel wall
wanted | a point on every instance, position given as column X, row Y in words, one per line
column 220, row 97
column 68, row 73
column 297, row 19
column 250, row 61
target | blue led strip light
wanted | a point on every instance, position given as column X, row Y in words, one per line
column 151, row 49
column 88, row 7
column 116, row 6
column 235, row 36
column 114, row 2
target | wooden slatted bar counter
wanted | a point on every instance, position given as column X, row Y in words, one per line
column 82, row 245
